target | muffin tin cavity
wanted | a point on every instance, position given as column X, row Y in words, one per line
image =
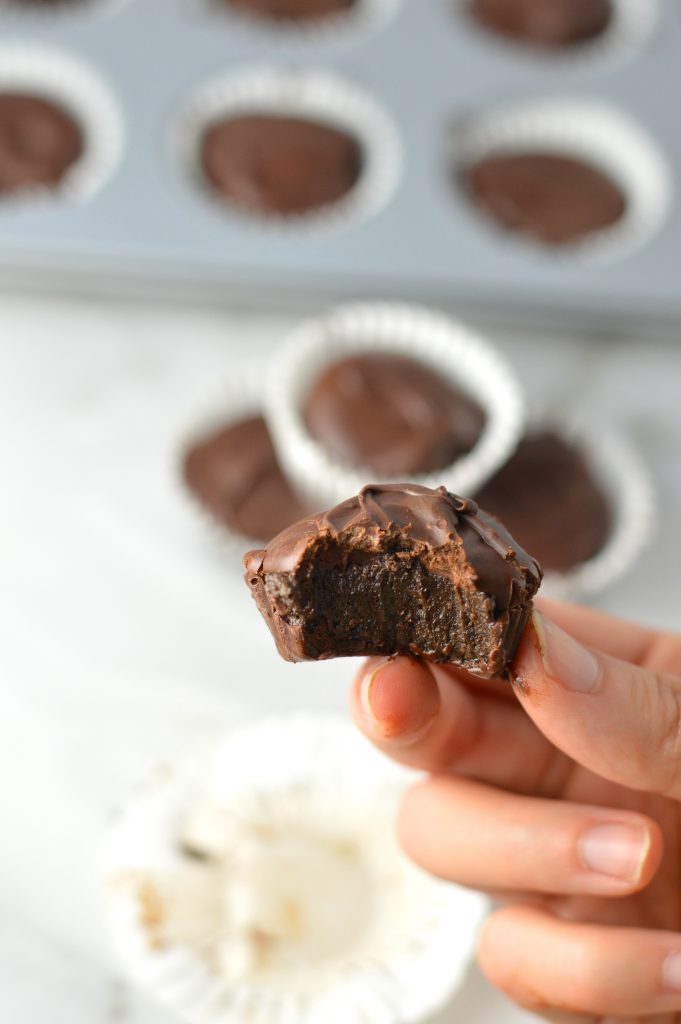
column 280, row 147
column 578, row 177
column 61, row 132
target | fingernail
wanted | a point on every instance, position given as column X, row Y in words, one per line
column 616, row 849
column 399, row 705
column 367, row 686
column 671, row 972
column 566, row 661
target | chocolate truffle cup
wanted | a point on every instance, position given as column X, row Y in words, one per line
column 39, row 14
column 591, row 131
column 365, row 16
column 272, row 800
column 73, row 85
column 311, row 95
column 444, row 345
column 618, row 468
column 238, row 397
column 631, row 25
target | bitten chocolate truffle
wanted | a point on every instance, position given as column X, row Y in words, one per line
column 279, row 165
column 399, row 569
column 547, row 496
column 235, row 474
column 546, row 23
column 291, row 10
column 553, row 198
column 39, row 141
column 391, row 414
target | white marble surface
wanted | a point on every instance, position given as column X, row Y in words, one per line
column 123, row 636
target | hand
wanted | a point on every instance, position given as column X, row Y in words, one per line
column 561, row 793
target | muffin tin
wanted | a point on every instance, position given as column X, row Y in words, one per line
column 430, row 74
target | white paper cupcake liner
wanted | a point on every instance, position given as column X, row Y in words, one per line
column 306, row 911
column 631, row 25
column 365, row 16
column 315, row 95
column 588, row 130
column 443, row 344
column 238, row 397
column 81, row 92
column 626, row 483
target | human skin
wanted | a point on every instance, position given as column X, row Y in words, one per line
column 560, row 794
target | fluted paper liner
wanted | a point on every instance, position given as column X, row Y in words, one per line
column 443, row 344
column 308, row 911
column 72, row 84
column 314, row 95
column 592, row 131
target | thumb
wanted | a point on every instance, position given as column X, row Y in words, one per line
column 617, row 719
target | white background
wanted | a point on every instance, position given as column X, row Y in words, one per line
column 124, row 633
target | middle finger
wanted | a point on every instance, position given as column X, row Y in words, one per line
column 482, row 837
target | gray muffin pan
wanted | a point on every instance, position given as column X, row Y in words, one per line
column 150, row 228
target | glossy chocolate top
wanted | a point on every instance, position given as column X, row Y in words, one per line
column 39, row 141
column 235, row 474
column 433, row 518
column 291, row 10
column 391, row 414
column 546, row 23
column 279, row 165
column 554, row 198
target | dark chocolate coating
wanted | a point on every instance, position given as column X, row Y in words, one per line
column 546, row 23
column 556, row 199
column 398, row 545
column 291, row 10
column 548, row 498
column 235, row 474
column 279, row 165
column 391, row 414
column 39, row 141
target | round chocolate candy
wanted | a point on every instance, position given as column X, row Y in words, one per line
column 391, row 414
column 276, row 165
column 555, row 198
column 545, row 23
column 547, row 497
column 39, row 142
column 235, row 474
column 291, row 10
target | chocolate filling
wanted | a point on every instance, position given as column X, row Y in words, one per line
column 384, row 602
column 400, row 569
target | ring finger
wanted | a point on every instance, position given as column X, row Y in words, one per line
column 557, row 967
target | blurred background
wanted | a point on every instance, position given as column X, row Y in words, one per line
column 183, row 183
